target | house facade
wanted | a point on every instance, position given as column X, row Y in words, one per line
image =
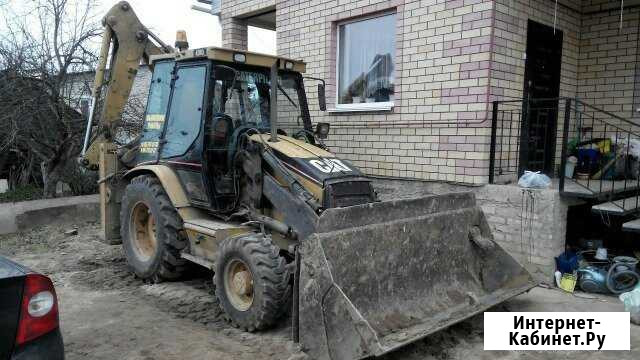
column 77, row 93
column 474, row 92
column 411, row 84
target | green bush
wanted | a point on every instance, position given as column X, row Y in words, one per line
column 80, row 180
column 22, row 193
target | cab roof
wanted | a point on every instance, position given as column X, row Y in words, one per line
column 232, row 56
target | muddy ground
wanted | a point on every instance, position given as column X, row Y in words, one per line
column 106, row 313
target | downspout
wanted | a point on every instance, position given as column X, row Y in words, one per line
column 492, row 40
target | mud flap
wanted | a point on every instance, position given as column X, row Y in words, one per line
column 376, row 277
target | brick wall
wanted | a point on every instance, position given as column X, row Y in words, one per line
column 508, row 67
column 437, row 129
column 608, row 58
column 510, row 45
column 531, row 225
column 234, row 27
column 452, row 59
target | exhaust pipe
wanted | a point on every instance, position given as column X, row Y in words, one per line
column 274, row 101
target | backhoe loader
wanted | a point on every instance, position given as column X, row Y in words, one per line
column 229, row 173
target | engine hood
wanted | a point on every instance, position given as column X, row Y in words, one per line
column 309, row 161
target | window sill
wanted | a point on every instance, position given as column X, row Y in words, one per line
column 362, row 107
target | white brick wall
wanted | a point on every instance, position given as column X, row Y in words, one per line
column 437, row 129
column 452, row 59
column 608, row 59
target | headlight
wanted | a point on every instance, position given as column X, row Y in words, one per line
column 239, row 57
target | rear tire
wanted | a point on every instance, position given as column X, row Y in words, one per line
column 151, row 242
column 251, row 281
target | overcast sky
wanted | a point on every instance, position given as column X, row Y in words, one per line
column 164, row 17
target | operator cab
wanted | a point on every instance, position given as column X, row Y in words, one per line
column 201, row 101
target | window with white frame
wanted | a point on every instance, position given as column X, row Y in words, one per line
column 366, row 63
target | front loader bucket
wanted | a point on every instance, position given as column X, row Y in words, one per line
column 378, row 276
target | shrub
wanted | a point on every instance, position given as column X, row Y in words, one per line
column 22, row 193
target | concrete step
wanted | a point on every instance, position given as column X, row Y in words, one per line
column 631, row 226
column 618, row 207
column 21, row 216
column 592, row 189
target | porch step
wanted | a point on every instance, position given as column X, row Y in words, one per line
column 632, row 226
column 618, row 207
column 593, row 189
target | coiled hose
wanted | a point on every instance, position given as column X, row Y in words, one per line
column 624, row 279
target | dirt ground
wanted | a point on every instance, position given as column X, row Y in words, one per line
column 106, row 313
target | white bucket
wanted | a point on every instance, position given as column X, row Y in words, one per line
column 570, row 167
column 601, row 254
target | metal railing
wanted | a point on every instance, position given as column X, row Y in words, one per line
column 607, row 150
column 506, row 125
column 524, row 136
column 593, row 153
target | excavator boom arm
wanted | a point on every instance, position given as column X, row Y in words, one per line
column 130, row 44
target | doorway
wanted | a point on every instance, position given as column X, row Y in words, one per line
column 541, row 92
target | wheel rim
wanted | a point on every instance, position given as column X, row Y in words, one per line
column 143, row 231
column 238, row 283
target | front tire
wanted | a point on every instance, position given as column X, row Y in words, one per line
column 151, row 231
column 251, row 281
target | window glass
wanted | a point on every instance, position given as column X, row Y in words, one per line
column 159, row 91
column 160, row 88
column 247, row 98
column 366, row 60
column 185, row 112
column 289, row 108
column 244, row 97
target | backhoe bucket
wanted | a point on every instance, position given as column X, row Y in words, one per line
column 378, row 276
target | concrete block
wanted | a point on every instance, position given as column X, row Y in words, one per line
column 20, row 216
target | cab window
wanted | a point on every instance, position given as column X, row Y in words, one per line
column 159, row 92
column 185, row 111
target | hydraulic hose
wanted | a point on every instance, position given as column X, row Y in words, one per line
column 613, row 275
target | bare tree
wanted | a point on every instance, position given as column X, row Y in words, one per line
column 44, row 42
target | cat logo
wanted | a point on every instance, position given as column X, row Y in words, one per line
column 329, row 166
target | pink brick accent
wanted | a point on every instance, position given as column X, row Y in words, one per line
column 452, row 58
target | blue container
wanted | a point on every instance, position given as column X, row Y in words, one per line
column 588, row 160
column 567, row 262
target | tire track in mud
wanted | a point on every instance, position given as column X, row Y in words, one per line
column 191, row 298
column 82, row 261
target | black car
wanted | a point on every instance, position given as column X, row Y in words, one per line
column 29, row 327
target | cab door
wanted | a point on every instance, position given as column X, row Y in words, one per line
column 155, row 114
column 182, row 139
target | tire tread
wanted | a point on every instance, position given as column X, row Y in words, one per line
column 169, row 228
column 271, row 270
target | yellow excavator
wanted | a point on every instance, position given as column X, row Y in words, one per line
column 229, row 173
